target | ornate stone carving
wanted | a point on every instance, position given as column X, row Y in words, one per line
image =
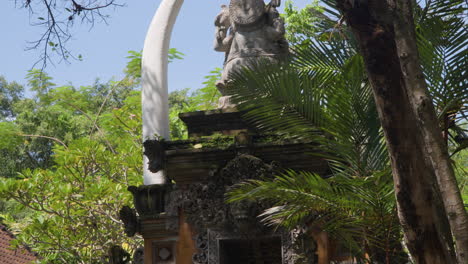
column 205, row 208
column 139, row 256
column 154, row 151
column 130, row 220
column 117, row 255
column 248, row 31
column 246, row 13
column 204, row 203
column 213, row 220
column 201, row 242
column 299, row 247
column 149, row 200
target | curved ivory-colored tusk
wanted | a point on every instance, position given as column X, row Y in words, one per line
column 154, row 80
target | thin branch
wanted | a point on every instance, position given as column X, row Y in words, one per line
column 51, row 138
column 57, row 19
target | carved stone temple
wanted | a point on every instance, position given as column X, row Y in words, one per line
column 186, row 219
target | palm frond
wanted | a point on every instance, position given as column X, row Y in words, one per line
column 444, row 8
column 442, row 38
column 322, row 94
column 345, row 208
column 278, row 99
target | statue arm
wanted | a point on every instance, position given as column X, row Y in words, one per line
column 228, row 40
column 276, row 29
column 222, row 41
column 222, row 23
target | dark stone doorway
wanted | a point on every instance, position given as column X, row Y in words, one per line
column 250, row 251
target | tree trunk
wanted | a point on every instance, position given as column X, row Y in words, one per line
column 423, row 109
column 420, row 212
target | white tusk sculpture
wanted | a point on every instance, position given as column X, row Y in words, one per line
column 154, row 80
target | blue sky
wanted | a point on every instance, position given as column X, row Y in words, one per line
column 104, row 47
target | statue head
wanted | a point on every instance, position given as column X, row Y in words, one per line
column 246, row 12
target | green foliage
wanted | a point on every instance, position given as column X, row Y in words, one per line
column 8, row 149
column 79, row 199
column 67, row 159
column 182, row 100
column 178, row 102
column 206, row 98
column 134, row 65
column 317, row 21
column 76, row 201
column 58, row 114
column 461, row 171
column 323, row 95
column 351, row 210
column 68, row 156
column 442, row 41
column 39, row 82
column 301, row 23
column 175, row 54
column 10, row 138
column 10, row 93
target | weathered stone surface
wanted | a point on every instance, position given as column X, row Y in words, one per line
column 189, row 165
column 204, row 168
column 154, row 153
column 149, row 200
column 118, row 255
column 130, row 220
column 248, row 31
column 204, row 202
column 138, row 256
column 204, row 205
column 226, row 121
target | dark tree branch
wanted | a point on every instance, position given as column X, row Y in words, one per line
column 57, row 17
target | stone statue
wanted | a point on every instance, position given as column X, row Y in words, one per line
column 247, row 31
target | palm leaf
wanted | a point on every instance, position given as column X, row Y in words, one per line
column 442, row 41
column 343, row 207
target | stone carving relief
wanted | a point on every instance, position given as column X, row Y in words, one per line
column 130, row 220
column 118, row 255
column 204, row 203
column 139, row 256
column 205, row 208
column 248, row 31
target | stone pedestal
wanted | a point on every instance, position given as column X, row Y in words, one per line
column 188, row 221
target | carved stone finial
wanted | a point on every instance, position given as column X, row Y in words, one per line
column 130, row 220
column 117, row 255
column 149, row 200
column 154, row 151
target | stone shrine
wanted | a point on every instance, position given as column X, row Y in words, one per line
column 181, row 211
column 188, row 220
